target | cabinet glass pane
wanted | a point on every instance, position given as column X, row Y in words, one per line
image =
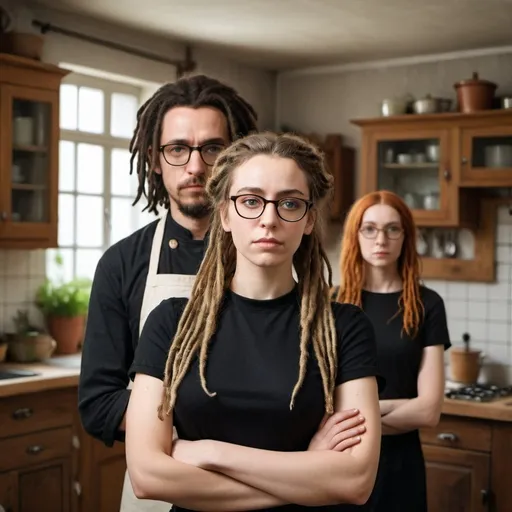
column 410, row 168
column 123, row 115
column 90, row 169
column 492, row 152
column 89, row 221
column 31, row 131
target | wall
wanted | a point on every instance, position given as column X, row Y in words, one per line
column 326, row 102
column 22, row 271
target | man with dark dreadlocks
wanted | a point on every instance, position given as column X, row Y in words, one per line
column 180, row 131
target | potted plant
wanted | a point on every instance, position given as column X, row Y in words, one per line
column 64, row 305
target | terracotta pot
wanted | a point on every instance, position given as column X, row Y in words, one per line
column 68, row 332
column 475, row 94
column 465, row 365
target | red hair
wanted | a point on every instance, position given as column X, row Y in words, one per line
column 352, row 265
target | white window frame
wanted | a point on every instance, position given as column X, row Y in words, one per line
column 108, row 142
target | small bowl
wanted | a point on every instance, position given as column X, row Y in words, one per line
column 31, row 349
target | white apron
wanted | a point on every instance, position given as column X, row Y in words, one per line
column 158, row 288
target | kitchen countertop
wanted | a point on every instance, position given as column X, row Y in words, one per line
column 63, row 371
column 54, row 373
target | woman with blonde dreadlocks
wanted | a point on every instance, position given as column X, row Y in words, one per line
column 380, row 273
column 254, row 362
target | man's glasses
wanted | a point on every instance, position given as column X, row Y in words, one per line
column 179, row 154
column 290, row 209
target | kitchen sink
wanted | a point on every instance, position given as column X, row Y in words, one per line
column 16, row 374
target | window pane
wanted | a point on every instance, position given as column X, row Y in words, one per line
column 123, row 115
column 144, row 218
column 66, row 219
column 121, row 183
column 91, row 112
column 58, row 273
column 90, row 169
column 68, row 106
column 89, row 221
column 86, row 262
column 122, row 219
column 66, row 166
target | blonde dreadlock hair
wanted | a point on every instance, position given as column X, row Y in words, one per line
column 351, row 261
column 198, row 322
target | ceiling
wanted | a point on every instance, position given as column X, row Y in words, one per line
column 284, row 34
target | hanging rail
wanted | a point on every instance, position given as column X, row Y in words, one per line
column 182, row 66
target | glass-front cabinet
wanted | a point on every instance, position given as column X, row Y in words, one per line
column 29, row 144
column 487, row 156
column 417, row 167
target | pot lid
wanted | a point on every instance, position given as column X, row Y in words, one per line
column 475, row 80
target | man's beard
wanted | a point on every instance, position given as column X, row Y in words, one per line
column 194, row 210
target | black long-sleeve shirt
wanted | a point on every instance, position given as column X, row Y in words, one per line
column 113, row 320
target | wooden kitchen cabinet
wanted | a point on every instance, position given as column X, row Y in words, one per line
column 29, row 149
column 435, row 162
column 49, row 464
column 466, row 462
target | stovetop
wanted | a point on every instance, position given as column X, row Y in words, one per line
column 479, row 393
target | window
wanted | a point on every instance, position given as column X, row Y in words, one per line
column 96, row 190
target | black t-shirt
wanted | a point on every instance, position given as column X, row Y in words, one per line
column 253, row 365
column 113, row 320
column 399, row 356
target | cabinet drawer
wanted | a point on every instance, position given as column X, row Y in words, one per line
column 36, row 411
column 22, row 451
column 460, row 433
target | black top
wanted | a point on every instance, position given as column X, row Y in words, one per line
column 253, row 365
column 113, row 321
column 399, row 356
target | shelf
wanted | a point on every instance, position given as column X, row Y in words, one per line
column 482, row 267
column 30, row 149
column 414, row 165
column 28, row 187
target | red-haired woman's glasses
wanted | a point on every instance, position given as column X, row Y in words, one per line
column 392, row 232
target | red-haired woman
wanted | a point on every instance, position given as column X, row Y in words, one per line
column 380, row 273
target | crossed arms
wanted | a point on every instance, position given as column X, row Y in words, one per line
column 210, row 475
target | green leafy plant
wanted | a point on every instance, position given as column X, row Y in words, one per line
column 61, row 298
column 23, row 326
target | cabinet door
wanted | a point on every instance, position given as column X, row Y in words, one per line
column 8, row 492
column 45, row 488
column 457, row 480
column 29, row 164
column 486, row 159
column 418, row 167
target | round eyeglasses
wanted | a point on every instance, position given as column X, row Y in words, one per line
column 390, row 232
column 179, row 154
column 290, row 209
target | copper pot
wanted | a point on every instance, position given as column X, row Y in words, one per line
column 475, row 94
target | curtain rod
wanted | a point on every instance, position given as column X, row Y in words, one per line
column 182, row 66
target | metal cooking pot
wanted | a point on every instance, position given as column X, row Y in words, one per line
column 427, row 105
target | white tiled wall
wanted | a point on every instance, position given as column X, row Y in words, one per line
column 483, row 310
column 21, row 272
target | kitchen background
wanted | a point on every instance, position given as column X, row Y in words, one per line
column 321, row 100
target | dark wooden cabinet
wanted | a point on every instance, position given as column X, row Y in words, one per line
column 467, row 461
column 49, row 464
